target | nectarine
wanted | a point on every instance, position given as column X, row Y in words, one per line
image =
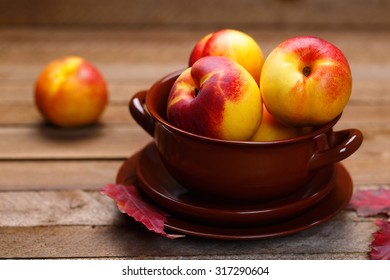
column 233, row 44
column 305, row 81
column 217, row 98
column 70, row 92
column 271, row 129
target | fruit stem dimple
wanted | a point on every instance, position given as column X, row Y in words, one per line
column 306, row 71
column 196, row 92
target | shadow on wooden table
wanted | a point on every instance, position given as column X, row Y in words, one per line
column 54, row 133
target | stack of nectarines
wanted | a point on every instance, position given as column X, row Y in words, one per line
column 229, row 92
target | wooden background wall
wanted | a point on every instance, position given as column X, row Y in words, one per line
column 330, row 14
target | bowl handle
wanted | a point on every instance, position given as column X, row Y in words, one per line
column 345, row 143
column 140, row 114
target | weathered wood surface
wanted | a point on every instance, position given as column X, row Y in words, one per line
column 201, row 13
column 50, row 205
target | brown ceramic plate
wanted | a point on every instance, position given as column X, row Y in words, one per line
column 156, row 182
column 326, row 209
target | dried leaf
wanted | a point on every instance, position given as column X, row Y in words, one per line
column 130, row 201
column 380, row 247
column 371, row 202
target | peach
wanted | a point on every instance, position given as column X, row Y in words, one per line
column 305, row 81
column 70, row 92
column 216, row 98
column 271, row 129
column 233, row 44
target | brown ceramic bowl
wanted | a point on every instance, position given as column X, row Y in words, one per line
column 238, row 170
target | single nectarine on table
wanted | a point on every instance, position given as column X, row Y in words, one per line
column 217, row 98
column 71, row 92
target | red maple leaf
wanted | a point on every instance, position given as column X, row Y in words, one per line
column 371, row 202
column 130, row 201
column 380, row 246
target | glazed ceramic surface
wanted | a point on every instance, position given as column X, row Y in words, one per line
column 165, row 191
column 238, row 170
column 325, row 209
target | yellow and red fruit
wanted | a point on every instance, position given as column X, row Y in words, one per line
column 70, row 92
column 217, row 98
column 305, row 81
column 232, row 44
column 271, row 129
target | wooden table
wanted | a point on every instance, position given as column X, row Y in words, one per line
column 50, row 204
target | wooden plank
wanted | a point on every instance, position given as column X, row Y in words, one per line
column 119, row 142
column 134, row 60
column 146, row 49
column 77, row 207
column 57, row 175
column 92, row 175
column 335, row 238
column 21, row 114
column 370, row 90
column 355, row 115
column 365, row 116
column 45, row 208
column 153, row 51
column 371, row 162
column 79, row 224
column 368, row 165
column 45, row 142
column 180, row 14
column 149, row 51
column 368, row 170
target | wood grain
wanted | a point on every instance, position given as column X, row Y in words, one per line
column 74, row 207
column 364, row 115
column 41, row 142
column 50, row 205
column 337, row 237
column 47, row 208
column 28, row 115
column 132, row 61
column 32, row 175
column 195, row 14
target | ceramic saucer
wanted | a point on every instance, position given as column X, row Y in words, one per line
column 324, row 210
column 157, row 183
